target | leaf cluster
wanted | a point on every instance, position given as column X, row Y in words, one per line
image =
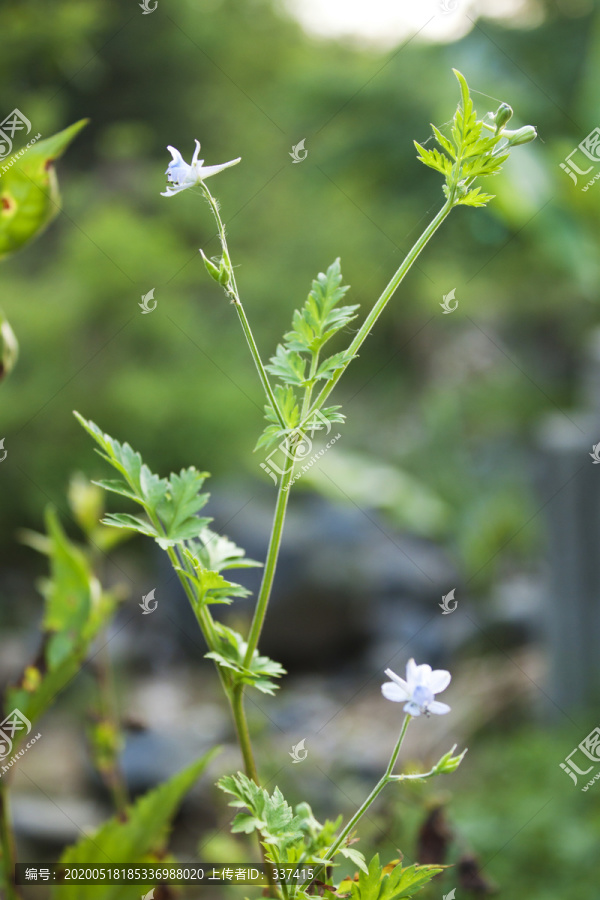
column 472, row 150
column 297, row 364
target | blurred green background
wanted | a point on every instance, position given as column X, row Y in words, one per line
column 449, row 402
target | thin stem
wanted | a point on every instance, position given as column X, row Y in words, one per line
column 270, row 565
column 384, row 299
column 7, row 847
column 233, row 292
column 114, row 777
column 236, row 699
column 383, row 781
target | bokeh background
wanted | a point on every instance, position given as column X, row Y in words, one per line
column 464, row 460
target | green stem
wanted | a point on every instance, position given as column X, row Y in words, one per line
column 384, row 299
column 270, row 565
column 236, row 699
column 383, row 781
column 115, row 780
column 233, row 292
column 7, row 847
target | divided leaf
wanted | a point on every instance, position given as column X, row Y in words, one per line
column 171, row 504
column 391, row 883
column 475, row 149
column 231, row 655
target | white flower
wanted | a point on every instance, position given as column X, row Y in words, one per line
column 418, row 690
column 182, row 176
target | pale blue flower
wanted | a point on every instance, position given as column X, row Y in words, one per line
column 182, row 176
column 417, row 692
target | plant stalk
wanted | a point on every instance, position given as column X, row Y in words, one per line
column 382, row 302
column 270, row 564
column 7, row 846
column 233, row 292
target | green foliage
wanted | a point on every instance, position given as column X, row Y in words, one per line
column 137, row 839
column 210, row 586
column 170, row 504
column 476, row 149
column 231, row 657
column 291, row 836
column 76, row 609
column 390, row 883
column 296, row 361
column 269, row 814
column 29, row 195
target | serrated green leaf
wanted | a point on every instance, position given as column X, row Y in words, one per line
column 144, row 832
column 231, row 653
column 172, row 502
column 378, row 884
column 288, row 366
column 270, row 814
column 356, row 857
column 217, row 552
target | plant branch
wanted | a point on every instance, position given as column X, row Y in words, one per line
column 232, row 290
column 270, row 565
column 382, row 302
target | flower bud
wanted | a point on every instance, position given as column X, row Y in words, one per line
column 449, row 763
column 9, row 347
column 521, row 136
column 224, row 273
column 210, row 267
column 502, row 115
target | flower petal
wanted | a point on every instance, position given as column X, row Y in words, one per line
column 207, row 171
column 196, row 154
column 439, row 680
column 399, row 681
column 438, row 708
column 412, row 709
column 393, row 692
